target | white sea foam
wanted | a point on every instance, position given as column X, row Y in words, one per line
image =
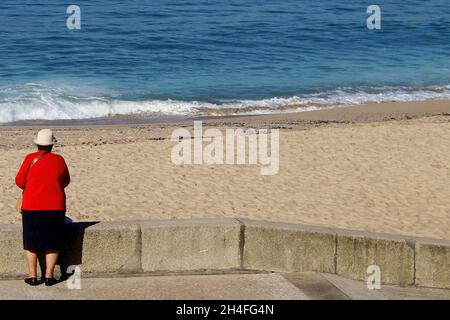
column 34, row 102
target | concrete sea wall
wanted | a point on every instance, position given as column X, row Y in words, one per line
column 238, row 244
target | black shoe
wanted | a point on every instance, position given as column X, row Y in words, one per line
column 33, row 281
column 50, row 281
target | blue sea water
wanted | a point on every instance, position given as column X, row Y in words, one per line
column 188, row 57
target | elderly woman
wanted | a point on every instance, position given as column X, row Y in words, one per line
column 43, row 177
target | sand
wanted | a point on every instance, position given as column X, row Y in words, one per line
column 381, row 168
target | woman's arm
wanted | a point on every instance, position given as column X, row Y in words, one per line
column 22, row 174
column 66, row 177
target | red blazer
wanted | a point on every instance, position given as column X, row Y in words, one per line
column 43, row 186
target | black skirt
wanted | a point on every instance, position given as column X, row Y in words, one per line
column 43, row 230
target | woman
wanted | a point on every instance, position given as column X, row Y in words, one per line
column 43, row 177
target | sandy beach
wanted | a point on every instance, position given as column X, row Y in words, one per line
column 377, row 167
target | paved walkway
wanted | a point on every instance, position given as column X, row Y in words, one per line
column 308, row 285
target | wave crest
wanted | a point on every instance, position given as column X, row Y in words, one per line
column 35, row 102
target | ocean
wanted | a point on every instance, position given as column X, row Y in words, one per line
column 189, row 58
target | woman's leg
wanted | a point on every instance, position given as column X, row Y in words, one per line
column 51, row 257
column 32, row 263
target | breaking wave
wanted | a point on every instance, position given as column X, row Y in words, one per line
column 37, row 102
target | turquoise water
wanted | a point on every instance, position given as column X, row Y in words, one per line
column 192, row 57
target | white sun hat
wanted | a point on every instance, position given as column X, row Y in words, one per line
column 45, row 137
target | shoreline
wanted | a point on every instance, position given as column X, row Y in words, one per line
column 369, row 112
